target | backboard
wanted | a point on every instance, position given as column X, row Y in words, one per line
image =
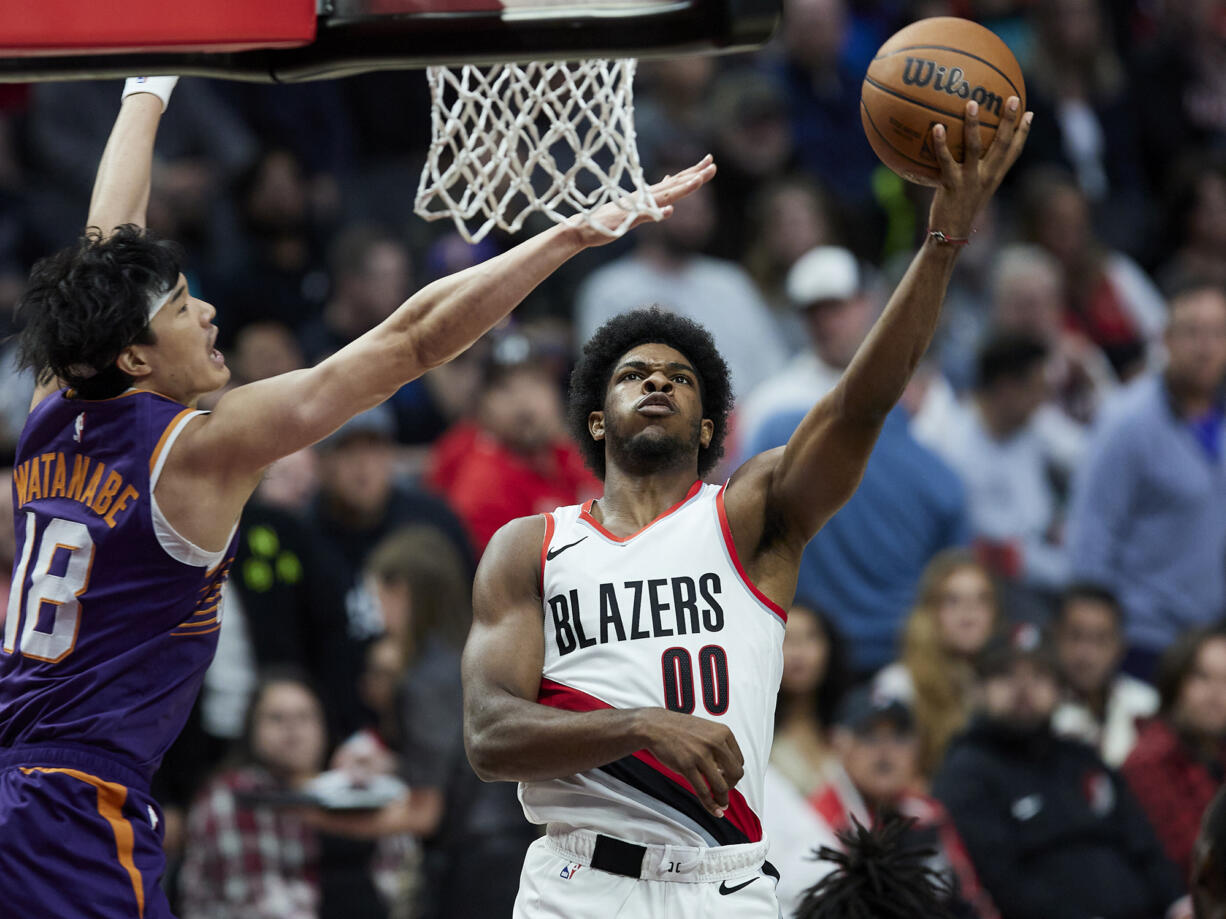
column 294, row 40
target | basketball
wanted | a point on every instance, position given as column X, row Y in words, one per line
column 923, row 76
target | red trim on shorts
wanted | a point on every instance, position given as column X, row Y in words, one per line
column 736, row 561
column 739, row 813
column 549, row 525
column 586, row 515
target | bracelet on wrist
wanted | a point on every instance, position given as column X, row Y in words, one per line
column 939, row 236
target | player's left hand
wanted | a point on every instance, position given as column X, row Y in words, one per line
column 965, row 187
column 666, row 192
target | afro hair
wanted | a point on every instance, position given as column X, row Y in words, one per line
column 85, row 304
column 589, row 383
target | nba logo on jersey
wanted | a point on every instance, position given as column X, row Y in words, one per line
column 78, row 427
column 568, row 871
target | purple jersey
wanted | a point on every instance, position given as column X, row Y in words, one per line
column 113, row 617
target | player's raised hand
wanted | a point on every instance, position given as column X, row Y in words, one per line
column 703, row 751
column 666, row 192
column 965, row 187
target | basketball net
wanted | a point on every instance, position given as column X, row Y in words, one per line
column 509, row 140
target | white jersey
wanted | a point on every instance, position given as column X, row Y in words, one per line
column 667, row 618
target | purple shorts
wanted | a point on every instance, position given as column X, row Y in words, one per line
column 75, row 844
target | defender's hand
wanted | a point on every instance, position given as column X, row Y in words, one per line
column 703, row 751
column 666, row 192
column 965, row 187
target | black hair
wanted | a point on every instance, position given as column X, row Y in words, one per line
column 1175, row 666
column 1213, row 828
column 1090, row 592
column 589, row 382
column 86, row 303
column 1007, row 356
column 878, row 876
column 836, row 680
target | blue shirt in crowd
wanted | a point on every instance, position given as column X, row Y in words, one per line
column 1148, row 515
column 862, row 569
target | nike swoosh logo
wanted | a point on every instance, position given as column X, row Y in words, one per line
column 724, row 889
column 554, row 553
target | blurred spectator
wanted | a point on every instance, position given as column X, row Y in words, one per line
column 1179, row 762
column 787, row 218
column 262, row 350
column 514, row 459
column 1011, row 466
column 248, row 855
column 827, row 289
column 879, row 756
column 815, row 676
column 371, row 276
column 278, row 277
column 1101, row 705
column 1179, row 85
column 470, row 830
column 360, row 502
column 8, row 535
column 1147, row 514
column 1053, row 832
column 1195, row 229
column 665, row 268
column 1028, row 298
column 954, row 615
column 864, row 565
column 1109, row 298
column 822, row 83
column 751, row 137
column 1209, row 862
column 1080, row 97
column 670, row 119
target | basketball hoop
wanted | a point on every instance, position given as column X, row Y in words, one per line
column 509, row 140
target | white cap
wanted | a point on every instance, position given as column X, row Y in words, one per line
column 824, row 273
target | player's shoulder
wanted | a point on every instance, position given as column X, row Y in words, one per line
column 516, row 544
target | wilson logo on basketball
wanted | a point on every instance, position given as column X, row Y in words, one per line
column 921, row 73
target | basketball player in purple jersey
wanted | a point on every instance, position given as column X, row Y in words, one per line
column 126, row 504
column 625, row 654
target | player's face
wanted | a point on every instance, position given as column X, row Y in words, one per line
column 652, row 418
column 965, row 611
column 1089, row 645
column 182, row 363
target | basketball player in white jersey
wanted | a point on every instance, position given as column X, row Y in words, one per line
column 625, row 655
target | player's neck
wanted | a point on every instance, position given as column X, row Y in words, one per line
column 630, row 502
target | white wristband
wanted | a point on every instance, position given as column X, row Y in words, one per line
column 161, row 87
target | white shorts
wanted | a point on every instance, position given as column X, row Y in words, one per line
column 677, row 882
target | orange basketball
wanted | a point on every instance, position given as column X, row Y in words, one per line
column 923, row 76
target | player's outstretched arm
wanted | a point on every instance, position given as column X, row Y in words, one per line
column 121, row 185
column 819, row 468
column 258, row 423
column 509, row 736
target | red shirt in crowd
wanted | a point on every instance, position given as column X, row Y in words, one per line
column 1174, row 786
column 489, row 485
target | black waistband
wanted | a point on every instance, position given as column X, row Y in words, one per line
column 617, row 856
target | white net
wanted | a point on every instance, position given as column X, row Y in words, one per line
column 512, row 139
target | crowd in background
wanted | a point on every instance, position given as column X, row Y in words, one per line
column 1013, row 631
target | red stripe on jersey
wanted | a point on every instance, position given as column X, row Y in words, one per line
column 736, row 561
column 586, row 515
column 739, row 813
column 545, row 548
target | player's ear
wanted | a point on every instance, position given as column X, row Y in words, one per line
column 705, row 432
column 131, row 361
column 595, row 425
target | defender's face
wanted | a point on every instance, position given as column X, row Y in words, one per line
column 183, row 363
column 652, row 402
